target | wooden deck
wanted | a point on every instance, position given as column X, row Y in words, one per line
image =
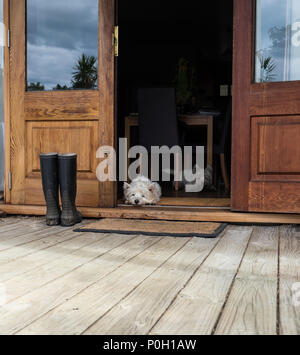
column 55, row 281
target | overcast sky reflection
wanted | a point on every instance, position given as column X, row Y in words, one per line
column 58, row 33
column 278, row 38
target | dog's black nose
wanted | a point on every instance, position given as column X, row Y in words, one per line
column 136, row 202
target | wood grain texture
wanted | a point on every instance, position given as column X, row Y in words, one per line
column 289, row 290
column 82, row 251
column 242, row 76
column 17, row 96
column 132, row 315
column 197, row 307
column 166, row 213
column 252, row 304
column 23, row 259
column 265, row 128
column 71, row 283
column 274, row 154
column 194, row 201
column 7, row 163
column 278, row 98
column 79, row 137
column 85, row 272
column 62, row 105
column 274, row 197
column 63, row 121
column 19, row 237
column 108, row 190
column 16, row 224
column 9, row 257
column 90, row 304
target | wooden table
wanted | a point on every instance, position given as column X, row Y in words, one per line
column 189, row 120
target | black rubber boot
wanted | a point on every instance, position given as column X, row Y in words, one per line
column 49, row 170
column 67, row 167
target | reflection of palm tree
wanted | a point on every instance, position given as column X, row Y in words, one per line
column 267, row 67
column 85, row 74
column 59, row 87
column 35, row 87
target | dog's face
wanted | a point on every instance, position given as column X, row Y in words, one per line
column 138, row 195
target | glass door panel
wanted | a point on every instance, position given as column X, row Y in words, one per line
column 62, row 44
column 277, row 55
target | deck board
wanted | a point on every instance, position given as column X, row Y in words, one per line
column 251, row 305
column 60, row 282
column 135, row 316
column 28, row 259
column 289, row 290
column 46, row 238
column 198, row 305
column 87, row 306
column 64, row 285
column 84, row 251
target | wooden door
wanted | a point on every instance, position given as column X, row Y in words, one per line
column 266, row 106
column 46, row 40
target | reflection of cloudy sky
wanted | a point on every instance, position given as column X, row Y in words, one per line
column 58, row 32
column 278, row 13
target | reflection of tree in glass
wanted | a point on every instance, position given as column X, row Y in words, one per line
column 268, row 57
column 278, row 36
column 267, row 67
column 59, row 87
column 35, row 87
column 85, row 74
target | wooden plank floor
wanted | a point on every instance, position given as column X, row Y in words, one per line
column 55, row 281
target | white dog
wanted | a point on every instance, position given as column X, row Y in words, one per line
column 142, row 192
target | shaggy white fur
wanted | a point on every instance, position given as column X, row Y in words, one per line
column 142, row 192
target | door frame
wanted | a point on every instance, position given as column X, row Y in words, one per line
column 241, row 81
column 106, row 80
column 6, row 90
column 176, row 205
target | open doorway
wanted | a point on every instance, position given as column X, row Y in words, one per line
column 185, row 46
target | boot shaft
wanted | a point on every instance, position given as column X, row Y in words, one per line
column 49, row 172
column 67, row 167
column 67, row 170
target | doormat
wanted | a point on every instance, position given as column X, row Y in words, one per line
column 155, row 228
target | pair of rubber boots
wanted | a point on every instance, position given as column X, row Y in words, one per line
column 59, row 171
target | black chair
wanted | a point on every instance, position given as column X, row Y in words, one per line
column 158, row 123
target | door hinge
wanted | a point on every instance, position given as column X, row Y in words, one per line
column 9, row 181
column 8, row 38
column 116, row 41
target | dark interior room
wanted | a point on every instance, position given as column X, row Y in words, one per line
column 185, row 45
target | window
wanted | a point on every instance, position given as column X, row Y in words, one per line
column 277, row 56
column 62, row 44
